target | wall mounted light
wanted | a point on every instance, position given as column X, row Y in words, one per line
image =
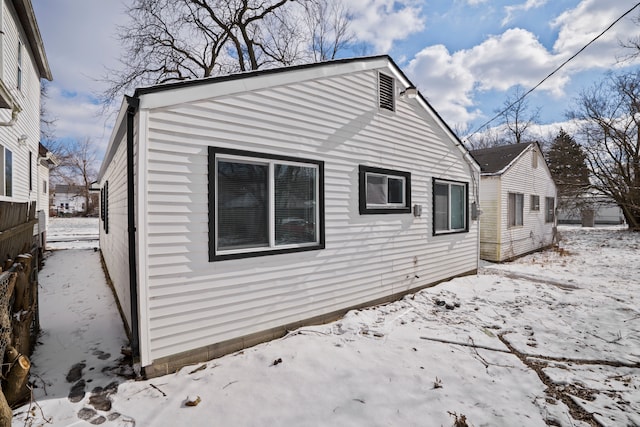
column 417, row 211
column 409, row 93
column 22, row 140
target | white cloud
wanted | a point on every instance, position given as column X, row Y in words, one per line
column 512, row 10
column 445, row 83
column 578, row 26
column 382, row 22
column 515, row 57
column 78, row 117
column 499, row 63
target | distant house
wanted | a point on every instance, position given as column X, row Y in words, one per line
column 68, row 200
column 236, row 208
column 46, row 160
column 597, row 209
column 517, row 200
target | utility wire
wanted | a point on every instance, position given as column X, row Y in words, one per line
column 553, row 72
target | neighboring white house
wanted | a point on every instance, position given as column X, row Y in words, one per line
column 68, row 200
column 23, row 64
column 236, row 208
column 517, row 200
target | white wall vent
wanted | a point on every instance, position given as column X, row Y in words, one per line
column 386, row 92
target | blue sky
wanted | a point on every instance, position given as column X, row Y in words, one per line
column 465, row 56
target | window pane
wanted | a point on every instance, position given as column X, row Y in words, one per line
column 242, row 209
column 295, row 204
column 511, row 209
column 376, row 190
column 519, row 208
column 550, row 205
column 441, row 208
column 395, row 190
column 2, row 177
column 457, row 207
column 8, row 173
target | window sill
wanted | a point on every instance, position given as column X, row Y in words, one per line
column 266, row 252
column 446, row 233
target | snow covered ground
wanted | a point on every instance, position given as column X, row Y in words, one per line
column 72, row 233
column 550, row 339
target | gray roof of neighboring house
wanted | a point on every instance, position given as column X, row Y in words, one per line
column 495, row 159
column 66, row 189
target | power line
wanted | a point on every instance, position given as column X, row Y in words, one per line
column 554, row 71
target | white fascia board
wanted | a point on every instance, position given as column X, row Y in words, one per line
column 516, row 159
column 196, row 92
column 113, row 145
column 454, row 139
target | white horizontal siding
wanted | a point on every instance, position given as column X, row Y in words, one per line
column 491, row 218
column 28, row 98
column 193, row 302
column 114, row 244
column 523, row 178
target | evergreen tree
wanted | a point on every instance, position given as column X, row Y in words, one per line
column 568, row 166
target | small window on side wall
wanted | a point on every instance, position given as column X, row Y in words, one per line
column 535, row 203
column 450, row 207
column 550, row 209
column 384, row 191
column 515, row 209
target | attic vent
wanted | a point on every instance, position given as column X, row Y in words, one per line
column 386, row 92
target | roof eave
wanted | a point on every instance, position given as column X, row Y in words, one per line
column 27, row 17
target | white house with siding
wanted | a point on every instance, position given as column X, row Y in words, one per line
column 236, row 208
column 69, row 200
column 517, row 200
column 23, row 64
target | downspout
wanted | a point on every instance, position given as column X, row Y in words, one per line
column 132, row 109
column 15, row 109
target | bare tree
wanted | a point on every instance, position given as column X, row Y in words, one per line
column 609, row 117
column 517, row 116
column 174, row 40
column 79, row 167
column 328, row 24
column 488, row 138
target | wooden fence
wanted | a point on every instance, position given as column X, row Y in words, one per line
column 19, row 323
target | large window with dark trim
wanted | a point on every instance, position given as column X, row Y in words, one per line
column 384, row 191
column 515, row 209
column 261, row 204
column 450, row 206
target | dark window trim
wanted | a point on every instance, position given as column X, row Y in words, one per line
column 433, row 207
column 30, row 171
column 105, row 209
column 362, row 191
column 213, row 152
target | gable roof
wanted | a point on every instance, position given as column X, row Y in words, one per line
column 496, row 160
column 27, row 18
column 163, row 95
